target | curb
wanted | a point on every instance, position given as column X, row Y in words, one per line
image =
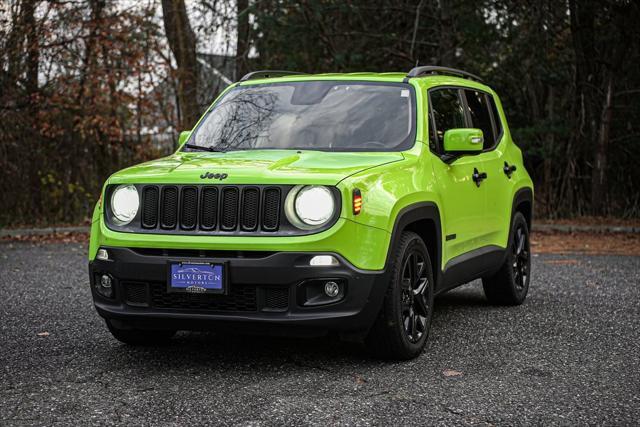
column 567, row 228
column 16, row 232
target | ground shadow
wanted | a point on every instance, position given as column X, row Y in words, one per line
column 213, row 350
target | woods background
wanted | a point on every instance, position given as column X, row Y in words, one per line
column 90, row 86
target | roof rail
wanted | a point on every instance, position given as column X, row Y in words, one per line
column 433, row 69
column 265, row 74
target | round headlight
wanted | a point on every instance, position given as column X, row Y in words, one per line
column 314, row 205
column 125, row 202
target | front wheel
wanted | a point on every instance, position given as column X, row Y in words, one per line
column 140, row 337
column 402, row 327
column 509, row 286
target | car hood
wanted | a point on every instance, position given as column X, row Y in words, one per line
column 255, row 167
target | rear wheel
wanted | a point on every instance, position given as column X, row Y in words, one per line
column 509, row 286
column 139, row 336
column 402, row 327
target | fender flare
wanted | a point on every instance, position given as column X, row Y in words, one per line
column 412, row 213
column 524, row 194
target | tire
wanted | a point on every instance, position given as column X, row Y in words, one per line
column 401, row 330
column 509, row 286
column 140, row 337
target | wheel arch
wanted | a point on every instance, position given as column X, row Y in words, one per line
column 423, row 219
column 523, row 203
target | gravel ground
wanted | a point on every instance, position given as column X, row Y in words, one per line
column 568, row 356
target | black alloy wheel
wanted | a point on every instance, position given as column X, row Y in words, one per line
column 510, row 284
column 402, row 328
column 415, row 287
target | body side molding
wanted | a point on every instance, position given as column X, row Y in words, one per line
column 469, row 266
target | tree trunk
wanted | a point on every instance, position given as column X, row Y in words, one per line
column 583, row 34
column 13, row 48
column 89, row 63
column 599, row 171
column 182, row 42
column 447, row 45
column 549, row 148
column 33, row 51
column 242, row 43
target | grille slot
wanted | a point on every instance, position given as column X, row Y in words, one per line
column 189, row 208
column 211, row 208
column 169, row 207
column 271, row 209
column 240, row 298
column 250, row 208
column 229, row 215
column 150, row 207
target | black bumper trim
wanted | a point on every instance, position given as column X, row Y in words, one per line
column 356, row 312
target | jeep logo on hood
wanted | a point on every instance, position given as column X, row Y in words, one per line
column 211, row 175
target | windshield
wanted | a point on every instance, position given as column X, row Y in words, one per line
column 318, row 115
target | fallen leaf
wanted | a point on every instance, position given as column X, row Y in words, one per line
column 43, row 334
column 451, row 373
column 360, row 380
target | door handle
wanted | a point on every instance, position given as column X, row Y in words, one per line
column 508, row 170
column 478, row 176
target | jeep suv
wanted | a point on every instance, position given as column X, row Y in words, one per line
column 309, row 204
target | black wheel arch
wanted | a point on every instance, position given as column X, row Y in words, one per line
column 423, row 219
column 523, row 203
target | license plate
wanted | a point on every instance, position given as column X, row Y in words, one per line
column 196, row 278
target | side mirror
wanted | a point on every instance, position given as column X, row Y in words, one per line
column 184, row 135
column 463, row 140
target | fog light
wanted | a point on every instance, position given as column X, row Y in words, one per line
column 323, row 260
column 102, row 255
column 106, row 288
column 331, row 289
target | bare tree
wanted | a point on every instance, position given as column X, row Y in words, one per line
column 596, row 73
column 182, row 42
column 242, row 43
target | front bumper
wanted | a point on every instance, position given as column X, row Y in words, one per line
column 266, row 290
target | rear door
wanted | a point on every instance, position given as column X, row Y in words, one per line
column 462, row 200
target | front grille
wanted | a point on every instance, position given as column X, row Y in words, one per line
column 240, row 298
column 211, row 208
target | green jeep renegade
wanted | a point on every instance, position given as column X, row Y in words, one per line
column 318, row 203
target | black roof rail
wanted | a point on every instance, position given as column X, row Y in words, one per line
column 433, row 69
column 265, row 74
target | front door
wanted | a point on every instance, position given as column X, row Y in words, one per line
column 463, row 201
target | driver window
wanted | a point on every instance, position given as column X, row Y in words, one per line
column 448, row 113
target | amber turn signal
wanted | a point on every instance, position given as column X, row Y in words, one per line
column 357, row 201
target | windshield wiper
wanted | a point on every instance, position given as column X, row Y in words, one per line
column 203, row 147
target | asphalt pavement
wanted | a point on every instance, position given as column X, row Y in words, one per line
column 568, row 356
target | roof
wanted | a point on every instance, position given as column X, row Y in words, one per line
column 427, row 80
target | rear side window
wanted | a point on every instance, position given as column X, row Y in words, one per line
column 448, row 113
column 479, row 112
column 496, row 117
